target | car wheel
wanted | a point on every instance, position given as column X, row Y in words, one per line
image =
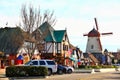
column 49, row 72
column 60, row 72
column 69, row 71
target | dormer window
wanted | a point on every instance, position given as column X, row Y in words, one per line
column 92, row 46
column 65, row 47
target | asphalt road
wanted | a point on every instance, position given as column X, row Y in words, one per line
column 78, row 76
column 86, row 76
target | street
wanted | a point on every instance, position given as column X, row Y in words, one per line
column 86, row 76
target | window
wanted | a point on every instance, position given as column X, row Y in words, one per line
column 92, row 46
column 51, row 62
column 42, row 63
column 35, row 63
column 58, row 47
column 65, row 47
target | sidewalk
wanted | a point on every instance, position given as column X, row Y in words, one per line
column 2, row 71
column 2, row 75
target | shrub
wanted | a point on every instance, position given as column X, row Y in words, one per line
column 19, row 71
column 96, row 67
column 108, row 66
column 81, row 66
column 36, row 71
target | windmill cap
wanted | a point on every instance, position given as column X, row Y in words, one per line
column 94, row 33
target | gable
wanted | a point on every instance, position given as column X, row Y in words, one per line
column 55, row 36
column 10, row 39
column 59, row 34
column 45, row 26
column 47, row 32
column 52, row 35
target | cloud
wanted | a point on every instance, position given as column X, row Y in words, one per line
column 75, row 15
column 12, row 21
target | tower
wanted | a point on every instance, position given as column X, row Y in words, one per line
column 93, row 43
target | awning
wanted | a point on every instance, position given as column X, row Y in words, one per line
column 73, row 59
column 1, row 53
column 20, row 57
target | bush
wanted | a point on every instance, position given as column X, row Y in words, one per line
column 81, row 66
column 108, row 66
column 19, row 71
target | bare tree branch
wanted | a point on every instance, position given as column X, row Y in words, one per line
column 48, row 17
column 31, row 21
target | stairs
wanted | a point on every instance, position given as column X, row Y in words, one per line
column 92, row 57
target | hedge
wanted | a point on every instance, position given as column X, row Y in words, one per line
column 20, row 71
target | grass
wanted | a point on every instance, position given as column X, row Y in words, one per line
column 95, row 66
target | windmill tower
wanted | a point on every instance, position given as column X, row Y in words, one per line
column 93, row 43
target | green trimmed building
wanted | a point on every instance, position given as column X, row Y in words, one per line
column 56, row 45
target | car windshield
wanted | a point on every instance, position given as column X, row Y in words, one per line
column 27, row 63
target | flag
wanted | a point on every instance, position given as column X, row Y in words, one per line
column 70, row 51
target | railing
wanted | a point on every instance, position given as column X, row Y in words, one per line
column 92, row 57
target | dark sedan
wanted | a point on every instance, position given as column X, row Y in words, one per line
column 61, row 69
column 64, row 69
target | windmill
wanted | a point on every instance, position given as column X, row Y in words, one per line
column 93, row 43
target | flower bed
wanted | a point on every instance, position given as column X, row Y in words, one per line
column 105, row 70
column 98, row 68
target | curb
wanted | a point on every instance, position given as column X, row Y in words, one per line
column 84, row 71
column 14, row 78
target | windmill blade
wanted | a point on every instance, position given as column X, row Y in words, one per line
column 106, row 33
column 85, row 34
column 96, row 23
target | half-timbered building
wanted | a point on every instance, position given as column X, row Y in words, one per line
column 56, row 45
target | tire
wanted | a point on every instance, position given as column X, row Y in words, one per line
column 60, row 72
column 49, row 72
column 69, row 71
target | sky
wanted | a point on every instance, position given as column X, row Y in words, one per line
column 76, row 16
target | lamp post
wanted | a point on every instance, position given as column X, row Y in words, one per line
column 115, row 61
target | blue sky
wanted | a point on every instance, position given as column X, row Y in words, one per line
column 77, row 16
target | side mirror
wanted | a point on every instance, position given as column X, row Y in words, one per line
column 31, row 64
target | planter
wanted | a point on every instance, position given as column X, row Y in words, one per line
column 84, row 71
column 105, row 70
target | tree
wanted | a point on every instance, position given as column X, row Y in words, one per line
column 31, row 20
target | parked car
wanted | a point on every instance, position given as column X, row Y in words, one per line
column 61, row 69
column 116, row 65
column 50, row 64
column 69, row 69
column 64, row 69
